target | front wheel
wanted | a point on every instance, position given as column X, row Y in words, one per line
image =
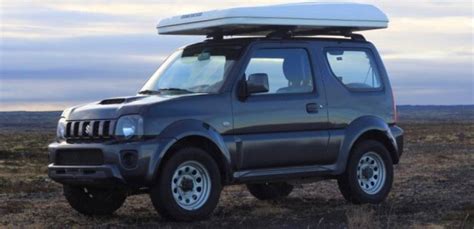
column 188, row 186
column 369, row 174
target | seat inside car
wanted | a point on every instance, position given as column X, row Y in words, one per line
column 297, row 74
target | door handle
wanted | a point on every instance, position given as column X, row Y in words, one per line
column 312, row 108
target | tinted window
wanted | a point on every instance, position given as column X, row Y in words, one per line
column 288, row 70
column 355, row 68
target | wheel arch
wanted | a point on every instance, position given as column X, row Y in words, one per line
column 206, row 144
column 381, row 137
column 365, row 128
column 192, row 133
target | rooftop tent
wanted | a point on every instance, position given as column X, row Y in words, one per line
column 301, row 18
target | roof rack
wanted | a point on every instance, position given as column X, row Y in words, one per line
column 289, row 32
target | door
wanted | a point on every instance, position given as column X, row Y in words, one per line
column 285, row 126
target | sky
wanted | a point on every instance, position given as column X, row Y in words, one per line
column 55, row 54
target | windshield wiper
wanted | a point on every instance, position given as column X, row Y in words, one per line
column 159, row 91
column 148, row 92
column 181, row 90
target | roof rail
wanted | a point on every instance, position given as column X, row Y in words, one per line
column 215, row 36
column 289, row 32
column 285, row 32
column 357, row 37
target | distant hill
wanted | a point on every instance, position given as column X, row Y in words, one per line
column 458, row 113
column 22, row 120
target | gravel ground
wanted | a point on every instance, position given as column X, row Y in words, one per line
column 433, row 187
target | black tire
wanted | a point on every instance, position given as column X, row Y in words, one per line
column 270, row 191
column 161, row 193
column 94, row 201
column 349, row 183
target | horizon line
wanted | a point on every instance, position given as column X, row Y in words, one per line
column 422, row 105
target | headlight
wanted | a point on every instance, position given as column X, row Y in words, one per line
column 130, row 126
column 61, row 130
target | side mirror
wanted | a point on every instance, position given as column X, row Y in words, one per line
column 257, row 83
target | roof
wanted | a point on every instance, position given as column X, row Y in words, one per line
column 300, row 18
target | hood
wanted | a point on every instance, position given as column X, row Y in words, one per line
column 113, row 108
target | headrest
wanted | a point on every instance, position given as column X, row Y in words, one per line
column 294, row 69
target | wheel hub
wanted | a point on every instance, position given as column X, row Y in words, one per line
column 367, row 172
column 186, row 184
column 191, row 185
column 371, row 173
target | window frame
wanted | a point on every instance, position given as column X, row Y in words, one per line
column 372, row 58
column 270, row 47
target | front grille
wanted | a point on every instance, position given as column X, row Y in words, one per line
column 89, row 131
column 79, row 157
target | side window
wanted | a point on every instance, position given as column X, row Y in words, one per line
column 354, row 68
column 288, row 70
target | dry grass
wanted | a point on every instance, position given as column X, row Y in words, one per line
column 361, row 217
column 432, row 188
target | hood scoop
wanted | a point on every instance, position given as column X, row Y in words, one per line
column 112, row 101
column 119, row 100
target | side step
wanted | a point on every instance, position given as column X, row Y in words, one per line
column 283, row 173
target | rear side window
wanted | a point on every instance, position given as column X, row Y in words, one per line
column 354, row 68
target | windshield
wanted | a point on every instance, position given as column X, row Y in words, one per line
column 193, row 70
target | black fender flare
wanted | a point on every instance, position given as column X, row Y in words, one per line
column 180, row 130
column 354, row 131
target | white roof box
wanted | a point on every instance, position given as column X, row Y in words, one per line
column 302, row 18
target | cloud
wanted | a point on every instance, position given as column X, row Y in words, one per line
column 66, row 52
column 67, row 89
column 436, row 96
column 88, row 53
column 32, row 31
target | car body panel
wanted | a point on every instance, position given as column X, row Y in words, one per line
column 271, row 127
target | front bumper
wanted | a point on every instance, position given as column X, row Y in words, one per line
column 112, row 170
column 86, row 175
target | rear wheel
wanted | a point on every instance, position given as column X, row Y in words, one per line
column 270, row 191
column 369, row 174
column 94, row 201
column 188, row 186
